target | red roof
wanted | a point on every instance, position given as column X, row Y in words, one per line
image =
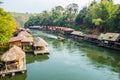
column 67, row 29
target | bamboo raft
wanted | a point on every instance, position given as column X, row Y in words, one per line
column 12, row 72
column 41, row 52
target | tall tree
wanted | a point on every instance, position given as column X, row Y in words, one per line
column 7, row 26
column 71, row 12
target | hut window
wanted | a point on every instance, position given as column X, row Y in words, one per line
column 106, row 42
column 40, row 48
column 31, row 43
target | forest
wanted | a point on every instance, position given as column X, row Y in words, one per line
column 97, row 17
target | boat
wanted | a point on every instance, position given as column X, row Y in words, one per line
column 61, row 38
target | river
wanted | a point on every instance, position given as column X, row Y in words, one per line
column 71, row 60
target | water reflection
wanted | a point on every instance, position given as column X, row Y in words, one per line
column 102, row 56
column 39, row 58
column 98, row 56
column 18, row 76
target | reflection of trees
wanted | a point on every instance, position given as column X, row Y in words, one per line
column 56, row 44
column 32, row 58
column 2, row 50
column 106, row 58
column 18, row 76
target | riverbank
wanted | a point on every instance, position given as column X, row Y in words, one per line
column 107, row 40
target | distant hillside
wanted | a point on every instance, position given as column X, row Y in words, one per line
column 21, row 18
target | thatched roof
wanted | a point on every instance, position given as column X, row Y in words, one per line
column 18, row 38
column 27, row 39
column 109, row 36
column 24, row 33
column 40, row 42
column 77, row 33
column 21, row 38
column 14, row 53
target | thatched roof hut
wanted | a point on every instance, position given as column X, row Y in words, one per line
column 13, row 54
column 39, row 42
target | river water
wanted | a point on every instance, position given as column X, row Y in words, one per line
column 71, row 60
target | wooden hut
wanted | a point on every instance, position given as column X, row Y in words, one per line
column 26, row 43
column 110, row 40
column 15, row 41
column 77, row 35
column 40, row 46
column 91, row 38
column 13, row 61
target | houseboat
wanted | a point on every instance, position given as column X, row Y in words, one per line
column 91, row 38
column 110, row 40
column 77, row 35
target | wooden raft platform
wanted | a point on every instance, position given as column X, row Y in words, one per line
column 6, row 72
column 41, row 52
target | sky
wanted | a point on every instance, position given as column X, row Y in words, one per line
column 37, row 6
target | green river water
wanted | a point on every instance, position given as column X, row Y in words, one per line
column 70, row 60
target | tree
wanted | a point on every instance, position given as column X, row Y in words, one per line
column 80, row 17
column 7, row 26
column 57, row 13
column 71, row 12
column 116, row 20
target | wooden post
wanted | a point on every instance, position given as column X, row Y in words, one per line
column 23, row 72
column 3, row 75
column 13, row 74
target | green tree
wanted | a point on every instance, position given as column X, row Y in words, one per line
column 7, row 26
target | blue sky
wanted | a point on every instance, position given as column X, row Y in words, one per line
column 37, row 6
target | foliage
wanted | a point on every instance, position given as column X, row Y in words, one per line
column 7, row 26
column 99, row 15
column 103, row 16
column 58, row 16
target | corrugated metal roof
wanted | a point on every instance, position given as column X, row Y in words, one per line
column 77, row 33
column 92, row 36
column 109, row 36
